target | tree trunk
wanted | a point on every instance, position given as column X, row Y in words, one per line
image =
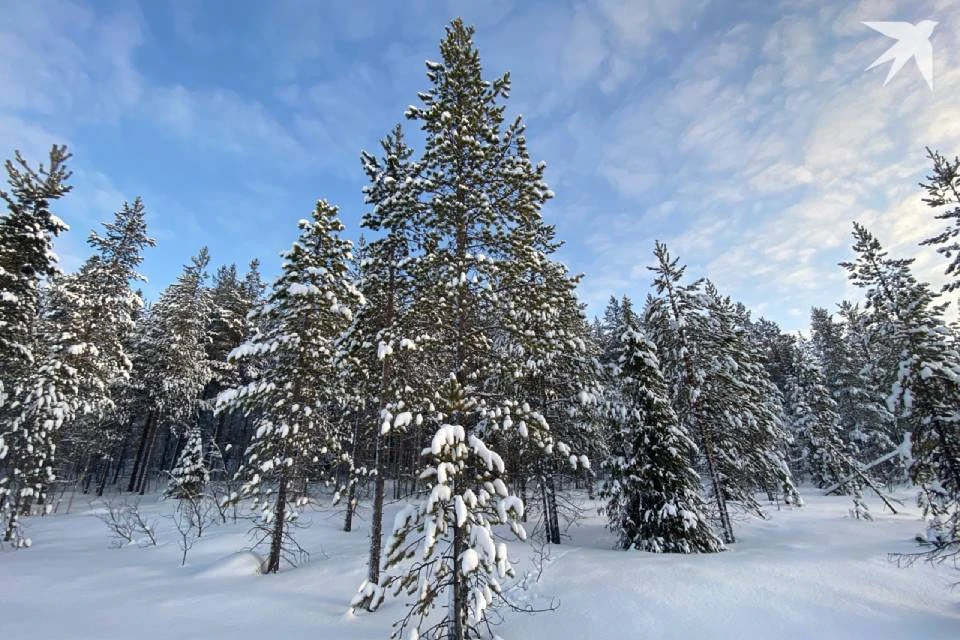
column 546, row 508
column 725, row 525
column 103, row 478
column 351, row 476
column 122, row 454
column 459, row 608
column 218, row 428
column 376, row 524
column 348, row 517
column 166, row 460
column 552, row 506
column 147, row 457
column 276, row 542
column 141, row 450
column 523, row 495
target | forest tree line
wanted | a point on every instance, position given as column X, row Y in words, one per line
column 446, row 361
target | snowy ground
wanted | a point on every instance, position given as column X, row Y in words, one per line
column 808, row 573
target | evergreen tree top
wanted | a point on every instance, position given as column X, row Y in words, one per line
column 123, row 239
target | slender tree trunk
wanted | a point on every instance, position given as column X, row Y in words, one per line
column 276, row 542
column 376, row 524
column 147, row 458
column 70, row 502
column 459, row 597
column 546, row 508
column 121, row 454
column 552, row 506
column 395, row 453
column 218, row 428
column 103, row 478
column 166, row 460
column 725, row 525
column 141, row 450
column 351, row 476
column 376, row 520
column 348, row 517
column 523, row 493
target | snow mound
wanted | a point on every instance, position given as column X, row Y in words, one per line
column 244, row 563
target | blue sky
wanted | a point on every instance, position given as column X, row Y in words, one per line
column 746, row 135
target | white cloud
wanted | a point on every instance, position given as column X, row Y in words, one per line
column 748, row 143
column 222, row 120
column 769, row 142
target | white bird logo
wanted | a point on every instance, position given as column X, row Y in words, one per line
column 913, row 41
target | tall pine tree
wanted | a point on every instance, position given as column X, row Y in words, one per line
column 36, row 393
column 310, row 304
column 481, row 252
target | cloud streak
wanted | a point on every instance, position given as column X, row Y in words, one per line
column 747, row 139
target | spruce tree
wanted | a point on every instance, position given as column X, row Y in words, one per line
column 654, row 493
column 310, row 304
column 189, row 476
column 675, row 319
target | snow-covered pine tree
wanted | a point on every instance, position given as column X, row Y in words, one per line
column 228, row 327
column 943, row 192
column 561, row 381
column 236, row 319
column 189, row 476
column 849, row 361
column 171, row 367
column 747, row 407
column 253, row 285
column 927, row 390
column 777, row 349
column 94, row 312
column 654, row 494
column 27, row 230
column 870, row 368
column 46, row 400
column 720, row 390
column 615, row 316
column 424, row 534
column 820, row 452
column 675, row 321
column 309, row 306
column 479, row 250
column 374, row 353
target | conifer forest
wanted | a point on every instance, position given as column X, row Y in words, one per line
column 415, row 427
